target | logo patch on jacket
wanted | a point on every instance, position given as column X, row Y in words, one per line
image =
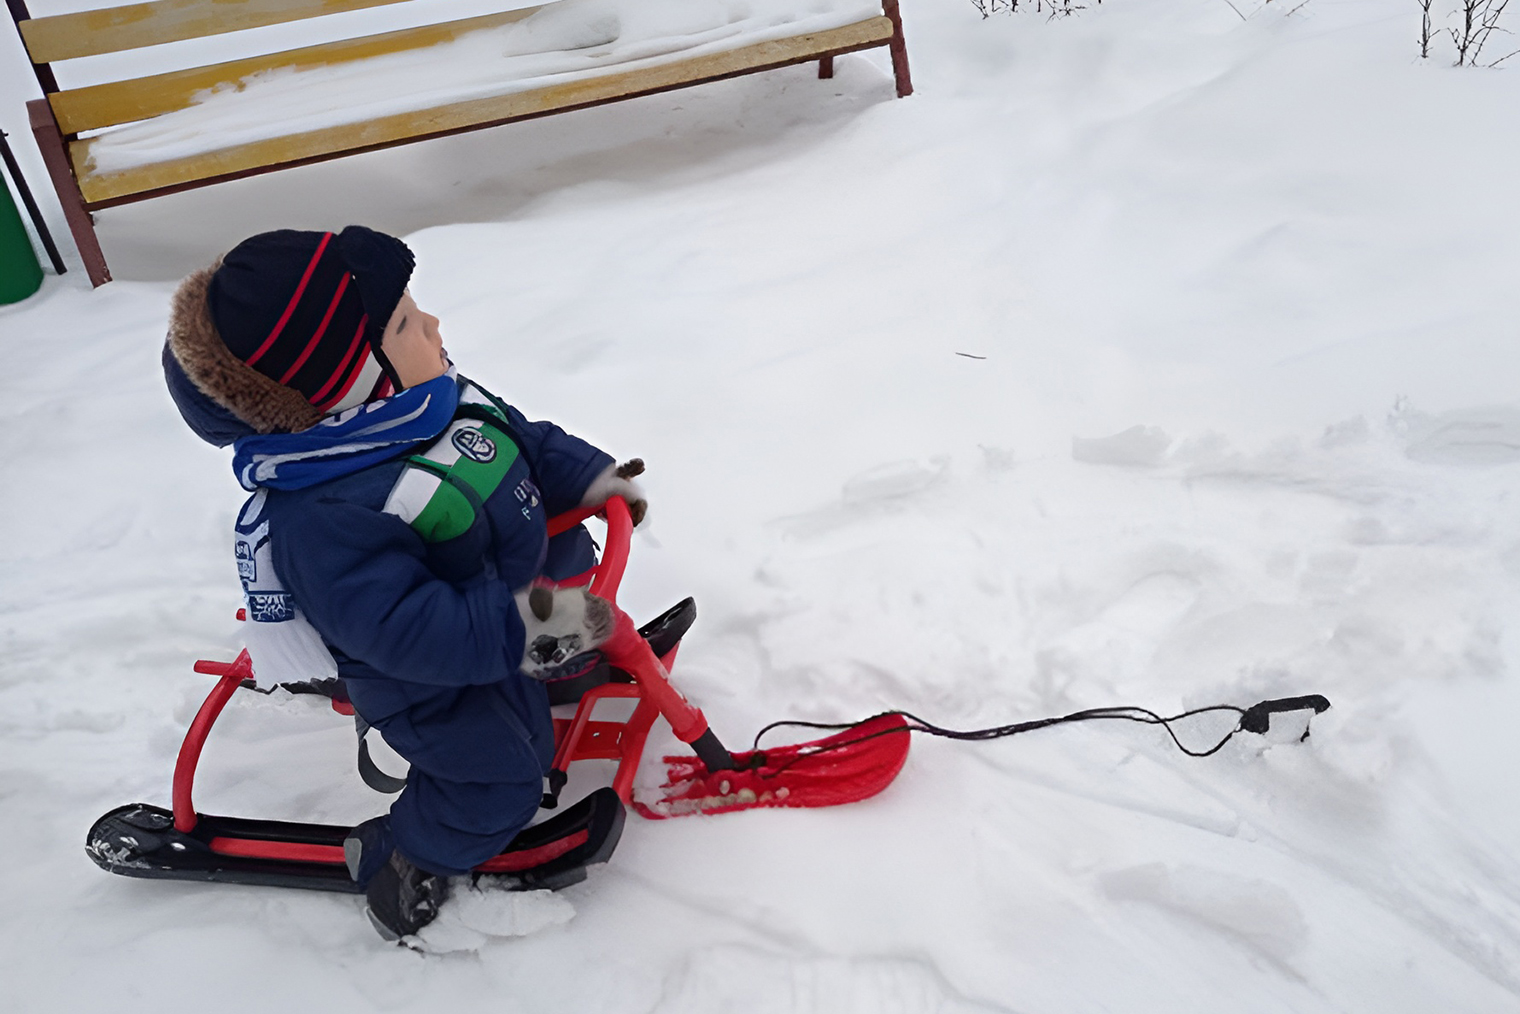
column 270, row 607
column 474, row 445
column 248, row 569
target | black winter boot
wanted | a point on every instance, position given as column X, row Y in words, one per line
column 403, row 898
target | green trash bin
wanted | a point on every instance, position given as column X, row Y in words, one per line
column 20, row 274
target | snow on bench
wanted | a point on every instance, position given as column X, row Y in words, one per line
column 134, row 139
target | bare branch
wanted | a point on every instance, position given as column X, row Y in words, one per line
column 1480, row 19
column 1488, row 23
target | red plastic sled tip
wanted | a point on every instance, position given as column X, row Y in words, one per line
column 843, row 768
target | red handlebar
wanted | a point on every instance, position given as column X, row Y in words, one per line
column 626, row 649
column 609, row 573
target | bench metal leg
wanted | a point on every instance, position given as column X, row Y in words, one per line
column 898, row 47
column 826, row 67
column 56, row 158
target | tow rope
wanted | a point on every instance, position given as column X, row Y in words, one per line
column 1257, row 718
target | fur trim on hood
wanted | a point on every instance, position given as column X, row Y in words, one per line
column 196, row 346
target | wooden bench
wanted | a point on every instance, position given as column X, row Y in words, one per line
column 59, row 119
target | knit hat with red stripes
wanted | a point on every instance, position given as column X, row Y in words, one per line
column 306, row 309
column 286, row 327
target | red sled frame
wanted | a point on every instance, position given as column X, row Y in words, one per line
column 577, row 739
column 842, row 768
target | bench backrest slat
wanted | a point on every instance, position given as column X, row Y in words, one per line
column 114, row 29
column 384, row 131
column 105, row 105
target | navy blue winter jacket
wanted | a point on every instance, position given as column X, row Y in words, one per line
column 404, row 617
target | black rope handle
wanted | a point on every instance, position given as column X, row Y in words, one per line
column 1256, row 718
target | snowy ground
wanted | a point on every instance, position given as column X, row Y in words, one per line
column 1245, row 423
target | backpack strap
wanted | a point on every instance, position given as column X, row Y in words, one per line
column 368, row 769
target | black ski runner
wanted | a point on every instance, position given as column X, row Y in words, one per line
column 140, row 840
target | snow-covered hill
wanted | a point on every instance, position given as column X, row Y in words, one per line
column 1160, row 355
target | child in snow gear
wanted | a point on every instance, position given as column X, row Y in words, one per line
column 395, row 556
column 395, row 537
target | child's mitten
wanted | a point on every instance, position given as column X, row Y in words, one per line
column 617, row 480
column 560, row 623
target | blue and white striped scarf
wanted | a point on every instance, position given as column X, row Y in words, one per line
column 349, row 441
column 282, row 642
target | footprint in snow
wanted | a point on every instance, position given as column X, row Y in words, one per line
column 472, row 918
column 1136, row 447
column 1258, row 913
column 1477, row 436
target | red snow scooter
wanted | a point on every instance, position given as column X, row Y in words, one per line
column 141, row 840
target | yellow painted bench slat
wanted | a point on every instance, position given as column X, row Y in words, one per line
column 463, row 115
column 114, row 29
column 105, row 105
